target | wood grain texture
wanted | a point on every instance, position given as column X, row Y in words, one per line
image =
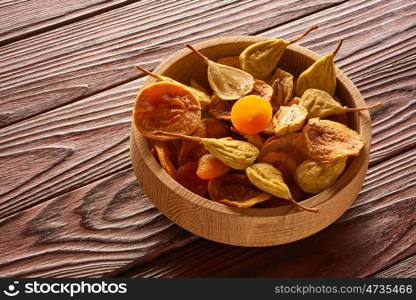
column 89, row 232
column 403, row 269
column 65, row 148
column 376, row 232
column 34, row 17
column 74, row 61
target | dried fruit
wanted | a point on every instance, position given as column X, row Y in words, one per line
column 195, row 85
column 269, row 179
column 289, row 119
column 215, row 128
column 320, row 104
column 327, row 141
column 260, row 59
column 282, row 83
column 210, row 167
column 292, row 144
column 235, row 190
column 255, row 139
column 192, row 150
column 187, row 177
column 320, row 75
column 221, row 109
column 283, row 162
column 232, row 61
column 228, row 83
column 233, row 153
column 166, row 106
column 313, row 176
column 201, row 96
column 295, row 100
column 251, row 114
column 162, row 153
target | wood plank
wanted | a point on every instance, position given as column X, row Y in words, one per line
column 71, row 129
column 110, row 224
column 376, row 232
column 74, row 61
column 403, row 269
column 34, row 17
column 65, row 149
column 89, row 232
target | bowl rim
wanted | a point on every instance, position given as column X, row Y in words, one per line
column 362, row 126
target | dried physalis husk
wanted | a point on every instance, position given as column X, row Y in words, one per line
column 269, row 179
column 289, row 119
column 221, row 109
column 201, row 96
column 233, row 153
column 327, row 141
column 194, row 84
column 192, row 150
column 320, row 75
column 187, row 176
column 292, row 144
column 165, row 161
column 168, row 107
column 235, row 190
column 313, row 176
column 261, row 58
column 228, row 83
column 320, row 104
column 282, row 83
column 283, row 162
column 232, row 61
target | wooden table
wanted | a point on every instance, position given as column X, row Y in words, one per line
column 69, row 202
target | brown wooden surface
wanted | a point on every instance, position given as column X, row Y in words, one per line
column 73, row 73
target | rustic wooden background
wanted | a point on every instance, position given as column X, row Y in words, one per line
column 69, row 202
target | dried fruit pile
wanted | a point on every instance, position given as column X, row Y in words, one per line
column 261, row 139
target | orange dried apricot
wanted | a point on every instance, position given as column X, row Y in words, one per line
column 210, row 167
column 251, row 114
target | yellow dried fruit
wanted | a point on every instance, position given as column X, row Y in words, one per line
column 327, row 140
column 232, row 61
column 260, row 59
column 262, row 89
column 320, row 104
column 320, row 75
column 233, row 153
column 289, row 119
column 201, row 96
column 313, row 176
column 269, row 179
column 235, row 190
column 282, row 83
column 228, row 83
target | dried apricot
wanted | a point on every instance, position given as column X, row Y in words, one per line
column 251, row 114
column 210, row 167
column 186, row 176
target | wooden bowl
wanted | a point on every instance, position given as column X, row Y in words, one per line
column 252, row 227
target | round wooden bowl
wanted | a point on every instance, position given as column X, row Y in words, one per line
column 253, row 227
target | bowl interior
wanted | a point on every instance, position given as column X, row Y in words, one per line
column 184, row 66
